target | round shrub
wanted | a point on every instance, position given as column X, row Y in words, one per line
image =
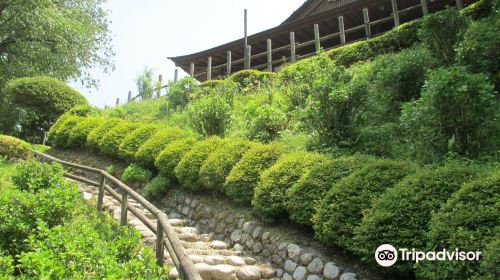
column 32, row 176
column 246, row 78
column 110, row 143
column 244, row 177
column 169, row 157
column 55, row 128
column 401, row 215
column 469, row 221
column 136, row 174
column 187, row 171
column 270, row 194
column 13, row 148
column 340, row 211
column 133, row 141
column 219, row 163
column 157, row 188
column 64, row 131
column 147, row 153
column 210, row 115
column 83, row 111
column 78, row 135
column 311, row 187
column 96, row 134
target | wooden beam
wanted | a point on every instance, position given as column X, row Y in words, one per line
column 317, row 40
column 124, row 210
column 160, row 253
column 269, row 55
column 100, row 196
column 191, row 70
column 293, row 53
column 129, row 98
column 176, row 75
column 248, row 57
column 209, row 68
column 425, row 9
column 118, row 101
column 342, row 30
column 229, row 62
column 366, row 19
column 395, row 12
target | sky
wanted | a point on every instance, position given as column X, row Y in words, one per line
column 146, row 32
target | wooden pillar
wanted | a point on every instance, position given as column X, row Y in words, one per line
column 160, row 253
column 395, row 12
column 209, row 68
column 176, row 75
column 124, row 210
column 118, row 101
column 317, row 39
column 100, row 196
column 129, row 98
column 460, row 4
column 269, row 55
column 342, row 30
column 229, row 62
column 366, row 18
column 425, row 9
column 191, row 70
column 158, row 90
column 293, row 56
column 45, row 137
column 248, row 57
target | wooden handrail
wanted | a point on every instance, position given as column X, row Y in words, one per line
column 174, row 247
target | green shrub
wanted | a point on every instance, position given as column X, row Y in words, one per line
column 111, row 169
column 134, row 173
column 169, row 157
column 110, row 143
column 179, row 93
column 187, row 171
column 440, row 32
column 133, row 141
column 247, row 78
column 83, row 111
column 6, row 265
column 32, row 176
column 478, row 9
column 244, row 177
column 78, row 134
column 210, row 115
column 64, row 131
column 340, row 211
column 13, row 148
column 157, row 188
column 401, row 215
column 467, row 125
column 312, row 186
column 56, row 127
column 96, row 134
column 468, row 221
column 211, row 84
column 219, row 163
column 147, row 152
column 270, row 194
column 264, row 122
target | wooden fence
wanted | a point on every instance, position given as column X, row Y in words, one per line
column 165, row 234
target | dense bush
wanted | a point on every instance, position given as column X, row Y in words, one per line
column 270, row 194
column 110, row 142
column 247, row 78
column 32, row 176
column 64, row 131
column 133, row 141
column 147, row 152
column 468, row 221
column 244, row 177
column 157, row 187
column 78, row 134
column 134, row 173
column 264, row 122
column 211, row 84
column 340, row 211
column 311, row 187
column 478, row 9
column 210, row 115
column 219, row 163
column 169, row 157
column 401, row 215
column 55, row 128
column 96, row 134
column 13, row 148
column 181, row 92
column 467, row 125
column 187, row 171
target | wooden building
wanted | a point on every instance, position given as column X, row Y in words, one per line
column 316, row 24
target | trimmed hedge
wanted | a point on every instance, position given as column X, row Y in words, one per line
column 147, row 153
column 244, row 177
column 340, row 211
column 219, row 163
column 56, row 127
column 401, row 215
column 157, row 187
column 270, row 194
column 64, row 131
column 109, row 144
column 246, row 78
column 470, row 220
column 136, row 174
column 187, row 171
column 96, row 134
column 311, row 187
column 13, row 148
column 169, row 157
column 78, row 135
column 133, row 141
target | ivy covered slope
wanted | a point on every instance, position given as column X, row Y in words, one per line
column 336, row 141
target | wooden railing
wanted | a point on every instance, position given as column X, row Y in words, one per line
column 165, row 234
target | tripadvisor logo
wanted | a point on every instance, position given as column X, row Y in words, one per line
column 387, row 255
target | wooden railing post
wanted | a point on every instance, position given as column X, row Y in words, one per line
column 100, row 196
column 269, row 55
column 366, row 19
column 209, row 68
column 45, row 137
column 129, row 98
column 395, row 12
column 425, row 9
column 176, row 75
column 160, row 258
column 248, row 53
column 293, row 57
column 342, row 30
column 229, row 62
column 158, row 90
column 124, row 210
column 317, row 40
column 191, row 70
column 460, row 4
column 118, row 101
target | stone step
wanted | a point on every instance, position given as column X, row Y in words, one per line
column 211, row 252
column 227, row 272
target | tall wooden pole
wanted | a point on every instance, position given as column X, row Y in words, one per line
column 366, row 19
column 209, row 68
column 245, row 38
column 341, row 30
column 176, row 75
column 293, row 56
column 229, row 63
column 158, row 90
column 129, row 98
column 118, row 101
column 248, row 54
column 395, row 12
column 317, row 39
column 425, row 9
column 269, row 55
column 191, row 70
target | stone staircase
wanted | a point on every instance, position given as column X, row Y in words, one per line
column 213, row 259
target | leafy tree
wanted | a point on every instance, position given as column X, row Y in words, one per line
column 145, row 84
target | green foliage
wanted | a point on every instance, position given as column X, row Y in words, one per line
column 157, row 187
column 401, row 215
column 13, row 148
column 478, row 9
column 440, row 32
column 457, row 112
column 135, row 173
column 32, row 176
column 270, row 194
column 145, row 84
column 63, row 133
column 187, row 171
column 133, row 141
column 244, row 177
column 96, row 134
column 172, row 154
column 181, row 92
column 312, row 185
column 111, row 169
column 212, row 84
column 110, row 142
column 78, row 134
column 83, row 111
column 249, row 78
column 469, row 221
column 219, row 163
column 147, row 153
column 210, row 115
column 340, row 211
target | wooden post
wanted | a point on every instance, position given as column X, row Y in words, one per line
column 129, row 98
column 100, row 196
column 460, row 4
column 124, row 209
column 245, row 39
column 366, row 18
column 209, row 68
column 118, row 101
column 176, row 75
column 425, row 9
column 342, row 30
column 293, row 56
column 45, row 136
column 229, row 63
column 269, row 55
column 158, row 90
column 248, row 57
column 317, row 39
column 191, row 70
column 395, row 12
column 160, row 258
